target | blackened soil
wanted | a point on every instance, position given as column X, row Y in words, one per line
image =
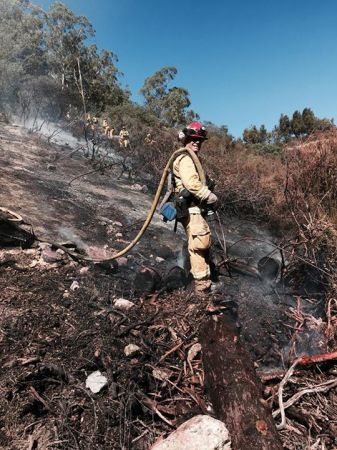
column 52, row 338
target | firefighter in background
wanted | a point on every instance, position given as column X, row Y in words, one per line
column 149, row 141
column 88, row 122
column 111, row 132
column 92, row 122
column 199, row 198
column 124, row 138
column 106, row 127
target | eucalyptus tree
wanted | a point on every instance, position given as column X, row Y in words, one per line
column 168, row 104
column 65, row 37
column 22, row 50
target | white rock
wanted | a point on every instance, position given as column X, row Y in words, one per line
column 123, row 304
column 136, row 187
column 159, row 259
column 74, row 286
column 122, row 261
column 30, row 251
column 104, row 219
column 162, row 374
column 193, row 351
column 49, row 256
column 44, row 245
column 131, row 349
column 117, row 224
column 198, row 433
column 84, row 270
column 96, row 381
column 119, row 235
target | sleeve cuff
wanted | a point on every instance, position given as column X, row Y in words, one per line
column 203, row 193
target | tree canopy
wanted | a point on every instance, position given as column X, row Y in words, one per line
column 301, row 124
column 51, row 53
column 52, row 46
column 253, row 135
column 168, row 104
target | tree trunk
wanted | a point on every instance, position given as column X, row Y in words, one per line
column 81, row 89
column 234, row 388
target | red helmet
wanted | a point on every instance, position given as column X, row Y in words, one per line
column 196, row 130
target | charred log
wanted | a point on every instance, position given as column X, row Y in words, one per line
column 234, row 388
column 175, row 279
column 147, row 281
column 12, row 235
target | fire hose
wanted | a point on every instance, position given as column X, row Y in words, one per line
column 16, row 218
column 243, row 268
column 166, row 171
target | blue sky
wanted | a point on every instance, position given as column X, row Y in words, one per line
column 243, row 62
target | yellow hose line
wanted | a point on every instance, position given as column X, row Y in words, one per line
column 17, row 218
column 157, row 197
column 152, row 209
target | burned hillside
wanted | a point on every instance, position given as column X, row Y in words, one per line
column 63, row 319
column 119, row 330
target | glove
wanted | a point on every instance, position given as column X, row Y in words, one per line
column 210, row 183
column 212, row 199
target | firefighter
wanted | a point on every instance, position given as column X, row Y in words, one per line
column 124, row 138
column 106, row 127
column 149, row 141
column 111, row 132
column 92, row 122
column 199, row 198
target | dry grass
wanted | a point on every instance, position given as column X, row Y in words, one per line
column 312, row 175
column 248, row 183
column 294, row 191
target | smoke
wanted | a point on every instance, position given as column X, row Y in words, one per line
column 54, row 132
column 182, row 258
column 68, row 234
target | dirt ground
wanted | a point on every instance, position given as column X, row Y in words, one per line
column 53, row 336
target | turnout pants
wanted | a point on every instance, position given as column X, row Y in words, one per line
column 124, row 143
column 199, row 241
